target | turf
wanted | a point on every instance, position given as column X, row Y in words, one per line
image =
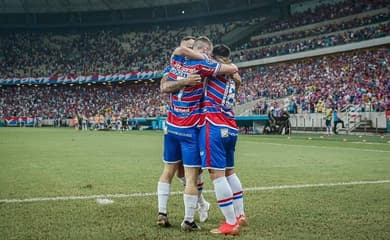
column 49, row 162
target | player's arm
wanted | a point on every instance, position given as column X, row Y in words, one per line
column 188, row 52
column 214, row 68
column 167, row 86
column 237, row 79
column 228, row 69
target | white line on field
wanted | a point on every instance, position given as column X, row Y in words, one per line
column 326, row 147
column 131, row 195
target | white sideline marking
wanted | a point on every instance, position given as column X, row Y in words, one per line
column 326, row 147
column 67, row 198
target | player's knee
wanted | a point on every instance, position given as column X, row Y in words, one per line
column 191, row 176
column 214, row 174
column 168, row 173
column 229, row 172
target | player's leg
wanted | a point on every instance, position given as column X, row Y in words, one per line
column 327, row 125
column 203, row 205
column 172, row 156
column 192, row 163
column 163, row 191
column 215, row 161
column 238, row 196
column 180, row 175
column 233, row 179
column 190, row 198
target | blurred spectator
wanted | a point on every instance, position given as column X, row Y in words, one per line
column 43, row 54
column 371, row 32
column 66, row 101
column 360, row 78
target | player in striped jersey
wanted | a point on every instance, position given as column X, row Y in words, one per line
column 164, row 184
column 169, row 170
column 181, row 132
column 217, row 140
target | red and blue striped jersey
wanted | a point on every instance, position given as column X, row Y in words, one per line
column 218, row 102
column 184, row 105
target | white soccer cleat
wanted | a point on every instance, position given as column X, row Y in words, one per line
column 204, row 212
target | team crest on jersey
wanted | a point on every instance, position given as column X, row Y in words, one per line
column 224, row 132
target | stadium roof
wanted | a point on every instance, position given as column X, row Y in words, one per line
column 67, row 6
column 52, row 6
column 40, row 14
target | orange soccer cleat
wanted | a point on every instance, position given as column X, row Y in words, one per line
column 227, row 229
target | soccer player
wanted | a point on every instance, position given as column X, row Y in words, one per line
column 84, row 122
column 181, row 132
column 185, row 49
column 337, row 119
column 163, row 187
column 217, row 139
column 328, row 120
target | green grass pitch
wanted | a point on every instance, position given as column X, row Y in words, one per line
column 38, row 165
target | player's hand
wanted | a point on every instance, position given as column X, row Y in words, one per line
column 234, row 65
column 192, row 79
column 237, row 79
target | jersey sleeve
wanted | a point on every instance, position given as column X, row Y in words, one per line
column 209, row 68
column 166, row 70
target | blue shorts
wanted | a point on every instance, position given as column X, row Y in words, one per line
column 328, row 123
column 181, row 144
column 217, row 146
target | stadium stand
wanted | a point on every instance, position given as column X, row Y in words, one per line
column 30, row 54
column 35, row 63
column 65, row 101
column 43, row 54
column 359, row 78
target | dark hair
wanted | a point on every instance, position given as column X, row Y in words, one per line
column 221, row 50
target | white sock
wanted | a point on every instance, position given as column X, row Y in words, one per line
column 224, row 196
column 201, row 200
column 190, row 204
column 238, row 194
column 163, row 190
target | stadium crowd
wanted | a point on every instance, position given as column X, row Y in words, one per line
column 360, row 79
column 33, row 54
column 315, row 31
column 324, row 12
column 370, row 32
column 66, row 101
column 44, row 54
